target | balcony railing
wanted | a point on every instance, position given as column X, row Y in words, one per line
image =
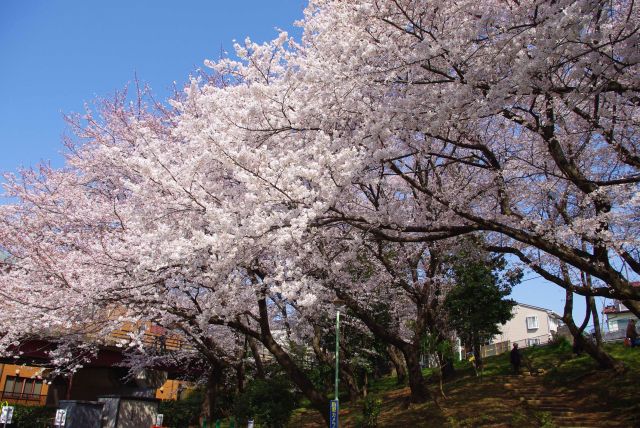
column 160, row 342
column 24, row 398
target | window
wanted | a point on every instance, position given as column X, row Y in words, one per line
column 9, row 384
column 532, row 342
column 532, row 323
column 22, row 388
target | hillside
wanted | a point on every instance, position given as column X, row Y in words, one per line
column 569, row 391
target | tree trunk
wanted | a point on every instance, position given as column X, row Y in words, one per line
column 318, row 400
column 411, row 351
column 398, row 363
column 353, row 390
column 417, row 384
column 365, row 385
column 256, row 357
column 447, row 368
column 596, row 321
column 596, row 352
column 476, row 352
column 240, row 366
column 346, row 374
column 240, row 376
column 214, row 379
column 587, row 282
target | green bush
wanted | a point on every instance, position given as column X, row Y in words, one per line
column 183, row 413
column 32, row 416
column 370, row 411
column 560, row 343
column 269, row 402
column 545, row 420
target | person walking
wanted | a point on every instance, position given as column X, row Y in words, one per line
column 516, row 359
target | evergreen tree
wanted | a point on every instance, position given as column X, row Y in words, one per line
column 478, row 304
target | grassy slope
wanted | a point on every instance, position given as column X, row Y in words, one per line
column 473, row 401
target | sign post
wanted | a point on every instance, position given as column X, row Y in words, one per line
column 61, row 418
column 334, row 408
column 6, row 416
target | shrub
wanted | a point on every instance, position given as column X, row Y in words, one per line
column 269, row 402
column 183, row 413
column 32, row 416
column 560, row 342
column 545, row 420
column 370, row 411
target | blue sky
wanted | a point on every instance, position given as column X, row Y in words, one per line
column 55, row 55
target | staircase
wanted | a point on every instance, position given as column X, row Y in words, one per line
column 561, row 407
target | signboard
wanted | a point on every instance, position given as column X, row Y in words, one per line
column 61, row 418
column 334, row 408
column 6, row 416
column 159, row 419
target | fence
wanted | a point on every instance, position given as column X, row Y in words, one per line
column 502, row 347
column 494, row 349
column 614, row 336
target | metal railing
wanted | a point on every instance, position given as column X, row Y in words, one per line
column 533, row 341
column 24, row 398
column 161, row 342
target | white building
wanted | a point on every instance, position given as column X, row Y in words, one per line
column 618, row 316
column 530, row 325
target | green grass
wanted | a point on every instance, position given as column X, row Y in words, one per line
column 478, row 401
column 386, row 384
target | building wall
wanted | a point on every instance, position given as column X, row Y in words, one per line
column 515, row 330
column 22, row 372
column 172, row 389
column 618, row 321
column 87, row 384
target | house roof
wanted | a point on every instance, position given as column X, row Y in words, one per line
column 613, row 310
column 618, row 307
column 549, row 311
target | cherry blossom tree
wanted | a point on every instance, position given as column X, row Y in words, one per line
column 518, row 119
column 410, row 121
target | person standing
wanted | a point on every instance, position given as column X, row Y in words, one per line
column 516, row 359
